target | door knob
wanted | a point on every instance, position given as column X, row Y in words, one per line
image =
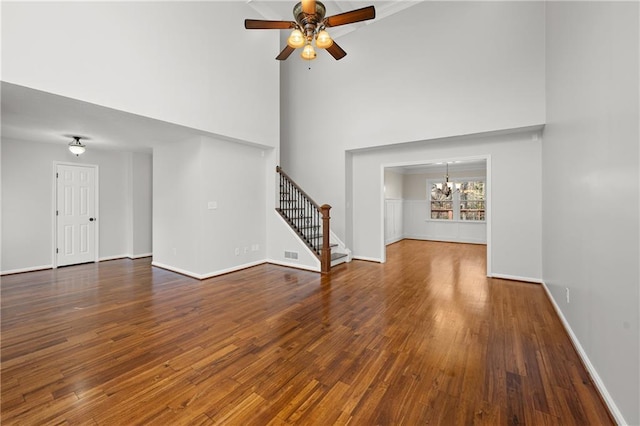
column 91, row 219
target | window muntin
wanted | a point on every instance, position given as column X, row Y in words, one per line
column 441, row 205
column 472, row 200
column 466, row 204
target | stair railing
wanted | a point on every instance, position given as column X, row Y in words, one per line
column 309, row 220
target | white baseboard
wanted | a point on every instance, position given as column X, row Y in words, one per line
column 119, row 256
column 210, row 274
column 393, row 240
column 29, row 269
column 604, row 393
column 139, row 256
column 41, row 267
column 368, row 259
column 233, row 269
column 293, row 265
column 125, row 256
column 442, row 240
column 516, row 278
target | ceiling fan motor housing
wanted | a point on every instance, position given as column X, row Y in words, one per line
column 308, row 22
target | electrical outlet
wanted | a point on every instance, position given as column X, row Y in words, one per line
column 237, row 251
column 246, row 250
column 567, row 293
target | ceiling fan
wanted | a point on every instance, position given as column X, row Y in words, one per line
column 310, row 23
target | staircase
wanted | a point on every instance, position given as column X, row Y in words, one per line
column 309, row 221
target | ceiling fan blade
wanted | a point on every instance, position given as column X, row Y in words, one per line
column 288, row 50
column 258, row 24
column 336, row 51
column 357, row 15
column 309, row 6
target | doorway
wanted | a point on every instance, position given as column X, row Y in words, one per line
column 408, row 203
column 75, row 215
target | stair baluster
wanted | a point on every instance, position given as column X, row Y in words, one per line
column 309, row 220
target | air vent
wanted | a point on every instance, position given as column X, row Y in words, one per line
column 291, row 255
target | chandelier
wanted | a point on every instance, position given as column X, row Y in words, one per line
column 446, row 187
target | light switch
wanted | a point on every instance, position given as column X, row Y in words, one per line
column 212, row 205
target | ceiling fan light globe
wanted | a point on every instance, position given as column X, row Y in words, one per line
column 323, row 40
column 296, row 39
column 308, row 53
column 76, row 148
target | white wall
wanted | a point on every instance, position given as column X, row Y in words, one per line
column 435, row 69
column 393, row 207
column 393, row 185
column 514, row 191
column 417, row 222
column 415, row 184
column 192, row 238
column 190, row 63
column 141, row 208
column 591, row 188
column 27, row 202
column 393, row 221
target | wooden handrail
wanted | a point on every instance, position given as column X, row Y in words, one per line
column 282, row 172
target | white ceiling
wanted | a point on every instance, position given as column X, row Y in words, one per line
column 32, row 115
column 37, row 116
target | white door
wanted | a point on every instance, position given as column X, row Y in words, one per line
column 75, row 214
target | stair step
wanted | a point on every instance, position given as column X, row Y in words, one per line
column 336, row 256
column 332, row 245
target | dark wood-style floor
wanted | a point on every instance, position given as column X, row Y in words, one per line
column 424, row 339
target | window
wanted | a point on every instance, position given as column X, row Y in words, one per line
column 472, row 200
column 441, row 205
column 466, row 202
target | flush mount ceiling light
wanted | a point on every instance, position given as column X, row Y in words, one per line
column 309, row 26
column 76, row 147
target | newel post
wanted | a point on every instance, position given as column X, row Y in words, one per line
column 325, row 258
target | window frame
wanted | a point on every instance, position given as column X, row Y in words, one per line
column 455, row 199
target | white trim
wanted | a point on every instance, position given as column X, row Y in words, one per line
column 54, row 197
column 177, row 270
column 107, row 258
column 482, row 222
column 394, row 240
column 516, row 278
column 293, row 265
column 50, row 266
column 595, row 377
column 488, row 189
column 441, row 240
column 383, row 245
column 455, row 197
column 368, row 259
column 29, row 269
column 139, row 256
column 210, row 274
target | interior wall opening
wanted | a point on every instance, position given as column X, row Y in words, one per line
column 444, row 200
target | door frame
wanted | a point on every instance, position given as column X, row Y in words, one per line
column 54, row 206
column 488, row 188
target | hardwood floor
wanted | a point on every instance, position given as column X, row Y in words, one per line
column 424, row 339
